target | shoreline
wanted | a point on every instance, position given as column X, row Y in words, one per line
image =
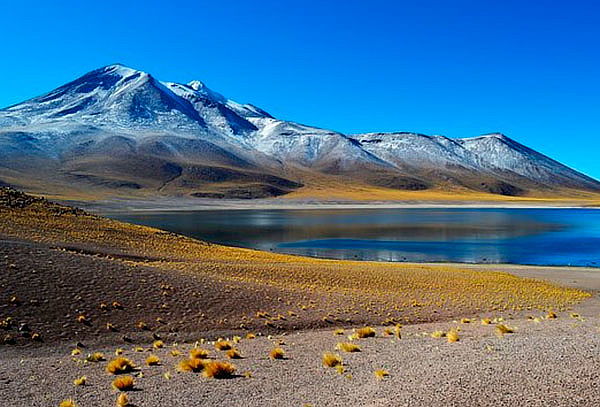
column 187, row 205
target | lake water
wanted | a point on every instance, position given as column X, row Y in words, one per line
column 523, row 236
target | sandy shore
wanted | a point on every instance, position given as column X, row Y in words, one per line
column 197, row 204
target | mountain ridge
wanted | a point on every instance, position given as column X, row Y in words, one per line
column 120, row 131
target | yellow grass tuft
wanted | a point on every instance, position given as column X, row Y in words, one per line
column 175, row 352
column 277, row 353
column 218, row 370
column 95, row 357
column 158, row 344
column 119, row 351
column 331, row 359
column 67, row 403
column 347, row 347
column 250, row 335
column 120, row 365
column 366, row 332
column 123, row 383
column 465, row 321
column 152, row 360
column 453, row 336
column 340, row 369
column 80, row 381
column 502, row 329
column 122, row 400
column 551, row 315
column 233, row 354
column 398, row 331
column 191, row 365
column 199, row 353
column 338, row 331
column 76, row 352
column 486, row 321
column 223, row 345
column 438, row 334
column 381, row 374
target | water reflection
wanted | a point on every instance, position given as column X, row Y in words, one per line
column 528, row 236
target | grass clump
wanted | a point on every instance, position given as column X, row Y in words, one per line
column 218, row 370
column 347, row 347
column 95, row 357
column 158, row 344
column 80, row 381
column 381, row 374
column 486, row 321
column 366, row 332
column 223, row 345
column 199, row 353
column 233, row 354
column 191, row 365
column 277, row 353
column 338, row 331
column 67, row 403
column 452, row 336
column 123, row 383
column 120, row 365
column 122, row 400
column 153, row 360
column 551, row 315
column 331, row 359
column 502, row 329
column 438, row 334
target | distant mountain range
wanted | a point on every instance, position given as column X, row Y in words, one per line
column 117, row 131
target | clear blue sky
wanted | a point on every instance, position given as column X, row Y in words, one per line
column 529, row 69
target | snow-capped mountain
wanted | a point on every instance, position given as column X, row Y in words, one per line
column 117, row 130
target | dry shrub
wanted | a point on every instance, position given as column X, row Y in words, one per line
column 223, row 345
column 366, row 332
column 123, row 383
column 80, row 381
column 465, row 321
column 122, row 400
column 453, row 336
column 250, row 335
column 277, row 353
column 199, row 353
column 191, row 365
column 152, row 360
column 381, row 374
column 502, row 329
column 76, row 352
column 338, row 331
column 438, row 334
column 95, row 357
column 67, row 403
column 486, row 321
column 120, row 365
column 551, row 315
column 347, row 347
column 398, row 331
column 218, row 370
column 331, row 359
column 234, row 354
column 158, row 344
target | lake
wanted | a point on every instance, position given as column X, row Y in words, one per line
column 521, row 236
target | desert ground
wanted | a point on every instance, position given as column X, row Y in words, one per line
column 78, row 289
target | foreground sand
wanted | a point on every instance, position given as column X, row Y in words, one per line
column 60, row 264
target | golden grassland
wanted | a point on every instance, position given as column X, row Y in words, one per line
column 404, row 291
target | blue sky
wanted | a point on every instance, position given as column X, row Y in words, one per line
column 459, row 68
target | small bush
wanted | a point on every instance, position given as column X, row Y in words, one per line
column 120, row 365
column 123, row 383
column 347, row 347
column 80, row 381
column 223, row 345
column 502, row 329
column 551, row 315
column 158, row 344
column 452, row 336
column 277, row 353
column 381, row 374
column 218, row 370
column 95, row 357
column 438, row 334
column 338, row 331
column 152, row 360
column 486, row 321
column 191, row 365
column 199, row 353
column 122, row 400
column 331, row 359
column 233, row 354
column 67, row 403
column 366, row 332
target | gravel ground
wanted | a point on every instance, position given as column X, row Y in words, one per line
column 553, row 362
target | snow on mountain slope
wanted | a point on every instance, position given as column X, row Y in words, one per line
column 165, row 128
